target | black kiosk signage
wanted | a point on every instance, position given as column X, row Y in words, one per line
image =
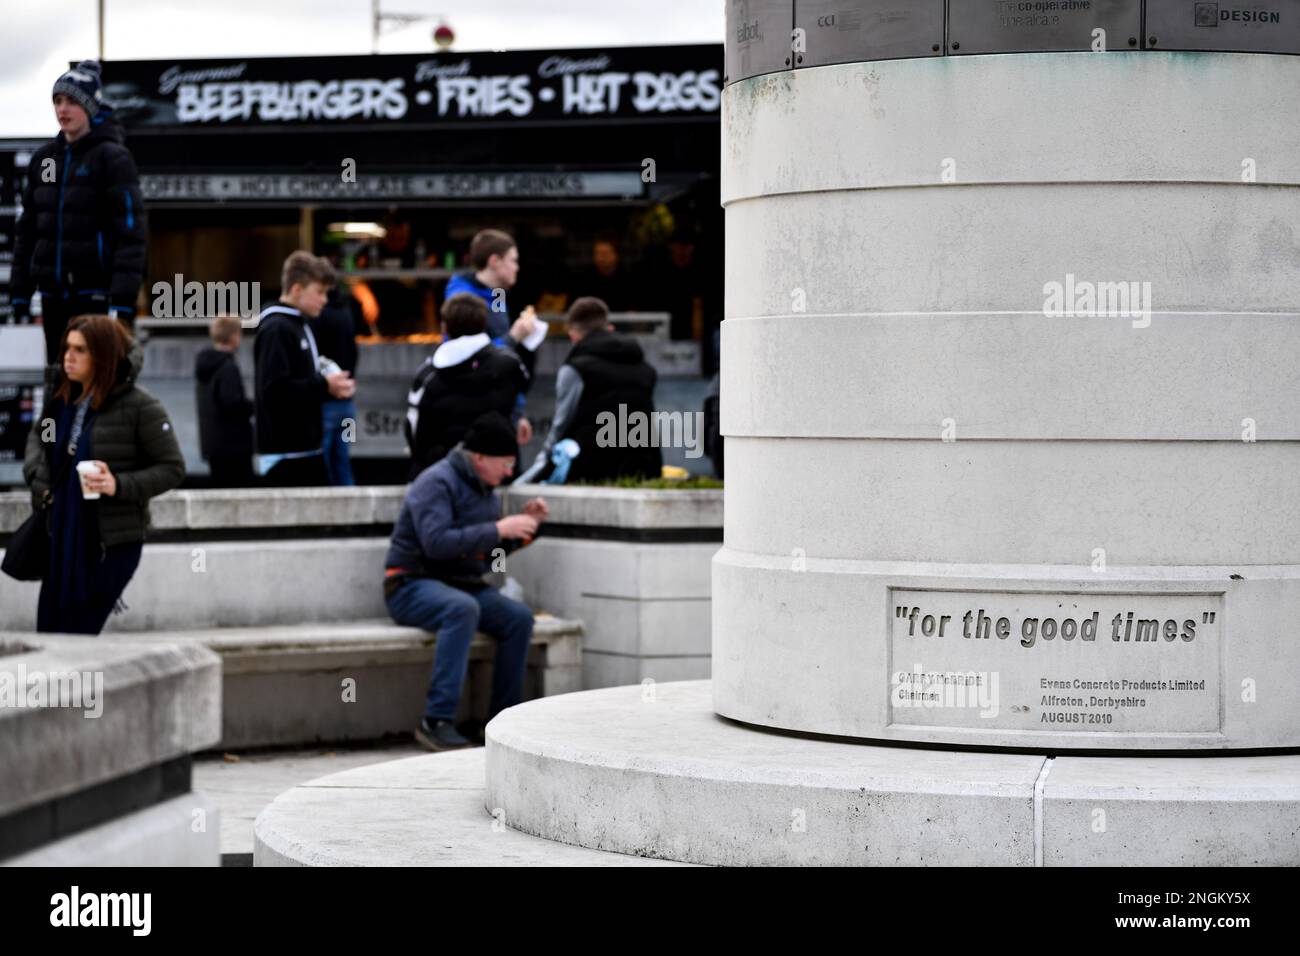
column 546, row 124
column 414, row 91
column 243, row 159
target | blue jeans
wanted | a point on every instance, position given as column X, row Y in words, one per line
column 338, row 464
column 456, row 616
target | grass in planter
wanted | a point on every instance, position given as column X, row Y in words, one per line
column 693, row 483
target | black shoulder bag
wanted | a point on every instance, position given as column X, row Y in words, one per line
column 27, row 555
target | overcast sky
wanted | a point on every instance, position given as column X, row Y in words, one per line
column 39, row 38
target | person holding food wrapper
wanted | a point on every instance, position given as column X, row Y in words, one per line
column 102, row 448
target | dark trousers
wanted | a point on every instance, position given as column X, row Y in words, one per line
column 308, row 472
column 107, row 579
column 231, row 471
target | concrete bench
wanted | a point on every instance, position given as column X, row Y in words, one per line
column 354, row 680
column 634, row 565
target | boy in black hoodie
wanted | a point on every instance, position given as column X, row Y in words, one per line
column 225, row 430
column 292, row 377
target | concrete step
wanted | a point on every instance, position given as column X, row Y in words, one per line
column 244, row 785
column 353, row 680
column 420, row 811
column 653, row 770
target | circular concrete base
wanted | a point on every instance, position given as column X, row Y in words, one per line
column 417, row 811
column 653, row 774
column 653, row 771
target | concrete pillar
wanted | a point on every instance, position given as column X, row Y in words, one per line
column 912, row 424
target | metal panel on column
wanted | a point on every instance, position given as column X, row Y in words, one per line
column 758, row 34
column 840, row 32
column 1041, row 26
column 1272, row 26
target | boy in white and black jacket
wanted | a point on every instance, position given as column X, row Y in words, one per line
column 290, row 383
column 466, row 376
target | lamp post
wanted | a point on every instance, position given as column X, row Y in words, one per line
column 442, row 35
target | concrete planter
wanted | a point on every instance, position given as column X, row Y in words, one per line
column 241, row 558
column 95, row 741
column 633, row 566
column 285, row 586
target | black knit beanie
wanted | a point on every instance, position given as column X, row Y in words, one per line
column 491, row 434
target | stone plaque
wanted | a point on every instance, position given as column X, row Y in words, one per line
column 1056, row 662
column 848, row 31
column 1031, row 26
column 758, row 37
column 1270, row 26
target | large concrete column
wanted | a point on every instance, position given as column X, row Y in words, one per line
column 910, row 436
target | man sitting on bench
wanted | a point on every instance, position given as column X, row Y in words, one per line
column 446, row 538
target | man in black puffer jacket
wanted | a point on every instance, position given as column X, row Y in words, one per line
column 466, row 376
column 605, row 378
column 81, row 239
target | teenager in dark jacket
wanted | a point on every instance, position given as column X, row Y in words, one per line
column 604, row 375
column 495, row 259
column 444, row 541
column 466, row 376
column 290, row 381
column 225, row 412
column 97, row 414
column 336, row 330
column 81, row 239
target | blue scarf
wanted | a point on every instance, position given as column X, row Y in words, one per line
column 70, row 521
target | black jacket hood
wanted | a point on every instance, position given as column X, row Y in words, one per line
column 207, row 362
column 610, row 346
column 129, row 370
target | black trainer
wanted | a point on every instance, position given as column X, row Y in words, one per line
column 473, row 731
column 441, row 735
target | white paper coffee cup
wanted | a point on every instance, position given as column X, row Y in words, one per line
column 85, row 468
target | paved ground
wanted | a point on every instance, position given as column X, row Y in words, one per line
column 243, row 784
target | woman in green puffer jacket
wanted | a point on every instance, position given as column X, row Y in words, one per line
column 96, row 413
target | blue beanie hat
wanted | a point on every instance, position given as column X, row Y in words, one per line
column 83, row 86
